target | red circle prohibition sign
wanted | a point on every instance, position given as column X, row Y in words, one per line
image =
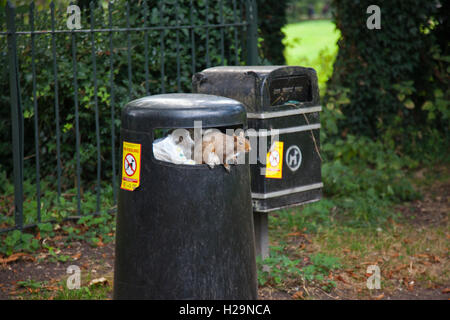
column 130, row 164
column 274, row 158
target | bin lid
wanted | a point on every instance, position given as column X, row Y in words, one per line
column 261, row 88
column 180, row 110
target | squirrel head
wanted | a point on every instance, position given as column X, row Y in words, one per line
column 241, row 144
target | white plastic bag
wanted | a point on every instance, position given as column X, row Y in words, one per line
column 175, row 148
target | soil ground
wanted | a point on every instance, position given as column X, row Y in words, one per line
column 425, row 277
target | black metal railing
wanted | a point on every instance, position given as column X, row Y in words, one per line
column 228, row 35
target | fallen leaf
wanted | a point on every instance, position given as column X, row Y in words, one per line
column 425, row 263
column 435, row 259
column 294, row 234
column 381, row 296
column 400, row 267
column 340, row 278
column 388, row 274
column 42, row 255
column 102, row 281
column 352, row 274
column 298, row 295
column 51, row 288
column 76, row 256
column 409, row 284
column 100, row 242
column 16, row 256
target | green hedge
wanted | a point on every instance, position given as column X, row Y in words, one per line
column 271, row 18
column 394, row 79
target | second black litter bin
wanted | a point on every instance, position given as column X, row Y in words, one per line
column 183, row 231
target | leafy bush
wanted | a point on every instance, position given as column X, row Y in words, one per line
column 45, row 94
column 17, row 241
column 277, row 268
column 395, row 78
column 271, row 18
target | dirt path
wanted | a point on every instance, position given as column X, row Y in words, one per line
column 93, row 262
column 412, row 255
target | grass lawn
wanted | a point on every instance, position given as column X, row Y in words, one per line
column 312, row 44
column 304, row 40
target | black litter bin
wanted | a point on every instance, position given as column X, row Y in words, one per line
column 285, row 98
column 183, row 231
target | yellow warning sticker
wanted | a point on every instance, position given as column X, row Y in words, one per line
column 131, row 166
column 274, row 161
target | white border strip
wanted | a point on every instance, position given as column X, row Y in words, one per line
column 285, row 113
column 272, row 132
column 286, row 191
column 284, row 207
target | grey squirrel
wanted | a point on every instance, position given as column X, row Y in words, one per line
column 219, row 148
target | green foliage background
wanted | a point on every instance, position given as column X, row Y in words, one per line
column 393, row 80
column 385, row 115
column 46, row 84
column 271, row 18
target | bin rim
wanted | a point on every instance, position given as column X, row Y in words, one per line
column 180, row 110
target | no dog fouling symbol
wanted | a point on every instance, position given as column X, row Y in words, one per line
column 274, row 161
column 130, row 164
column 274, row 158
column 293, row 157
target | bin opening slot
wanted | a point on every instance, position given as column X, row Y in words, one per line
column 211, row 146
column 293, row 88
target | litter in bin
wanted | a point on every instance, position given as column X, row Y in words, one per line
column 217, row 148
column 175, row 148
